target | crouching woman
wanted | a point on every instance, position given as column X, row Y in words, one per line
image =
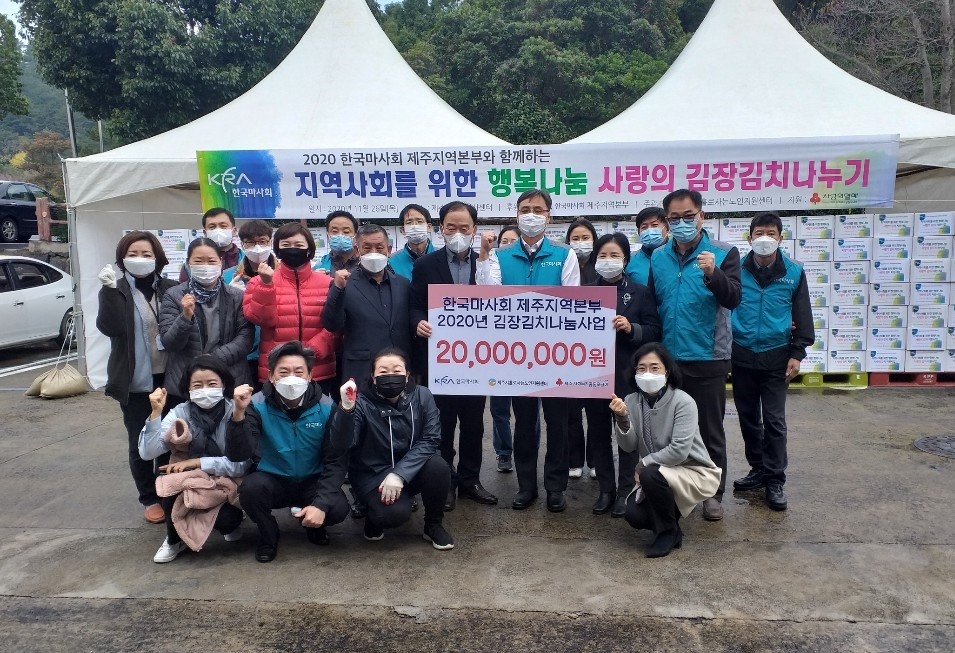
column 199, row 486
column 675, row 472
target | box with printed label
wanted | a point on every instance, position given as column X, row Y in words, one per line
column 929, row 293
column 821, row 342
column 852, row 249
column 882, row 339
column 926, row 361
column 819, row 296
column 935, row 224
column 817, row 274
column 815, row 361
column 886, row 249
column 733, row 229
column 893, row 224
column 742, row 246
column 789, row 227
column 890, row 271
column 932, row 247
column 815, row 226
column 931, row 270
column 856, row 294
column 811, row 249
column 950, row 342
column 820, row 318
column 847, row 339
column 848, row 317
column 888, row 316
column 854, row 226
column 950, row 320
column 889, row 294
column 788, row 247
column 892, row 360
column 925, row 339
column 850, row 272
column 846, row 361
column 928, row 316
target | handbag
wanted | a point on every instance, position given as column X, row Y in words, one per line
column 63, row 380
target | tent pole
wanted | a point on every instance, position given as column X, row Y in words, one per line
column 78, row 327
column 71, row 125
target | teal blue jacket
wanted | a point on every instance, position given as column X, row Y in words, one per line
column 290, row 449
column 639, row 267
column 517, row 269
column 402, row 262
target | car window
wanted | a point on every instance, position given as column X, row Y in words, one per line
column 39, row 192
column 19, row 192
column 28, row 275
column 4, row 280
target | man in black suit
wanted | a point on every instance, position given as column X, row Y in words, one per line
column 453, row 264
column 369, row 305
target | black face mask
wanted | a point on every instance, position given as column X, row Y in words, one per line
column 293, row 257
column 390, row 386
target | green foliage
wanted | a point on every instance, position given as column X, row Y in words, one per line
column 12, row 100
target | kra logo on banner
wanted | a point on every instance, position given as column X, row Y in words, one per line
column 228, row 178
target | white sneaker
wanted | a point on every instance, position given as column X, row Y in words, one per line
column 593, row 473
column 576, row 472
column 169, row 552
column 234, row 536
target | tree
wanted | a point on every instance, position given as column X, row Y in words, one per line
column 12, row 100
column 42, row 160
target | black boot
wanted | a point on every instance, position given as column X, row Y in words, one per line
column 665, row 542
column 604, row 503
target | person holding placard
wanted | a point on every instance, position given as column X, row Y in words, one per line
column 652, row 231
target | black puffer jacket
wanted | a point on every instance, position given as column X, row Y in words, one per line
column 115, row 320
column 408, row 433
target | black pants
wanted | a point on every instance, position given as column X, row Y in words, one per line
column 658, row 511
column 135, row 413
column 227, row 520
column 600, row 444
column 526, row 445
column 578, row 446
column 760, row 397
column 709, row 393
column 432, row 482
column 261, row 492
column 468, row 412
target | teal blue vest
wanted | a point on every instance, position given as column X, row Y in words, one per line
column 292, row 449
column 545, row 270
column 764, row 318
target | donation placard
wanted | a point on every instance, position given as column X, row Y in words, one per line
column 522, row 341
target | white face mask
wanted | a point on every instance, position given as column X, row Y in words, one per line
column 206, row 397
column 531, row 224
column 582, row 248
column 258, row 254
column 417, row 234
column 221, row 237
column 651, row 383
column 609, row 268
column 205, row 273
column 459, row 243
column 374, row 262
column 291, row 387
column 765, row 245
column 138, row 266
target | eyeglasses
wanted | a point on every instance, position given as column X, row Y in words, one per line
column 265, row 242
column 688, row 218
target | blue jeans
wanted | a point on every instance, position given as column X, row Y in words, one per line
column 501, row 418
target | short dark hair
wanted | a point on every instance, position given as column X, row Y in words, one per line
column 768, row 219
column 649, row 212
column 290, row 229
column 535, row 192
column 217, row 210
column 683, row 193
column 412, row 207
column 254, row 229
column 370, row 229
column 388, row 351
column 457, row 206
column 505, row 229
column 580, row 222
column 202, row 241
column 615, row 237
column 135, row 236
column 212, row 364
column 674, row 375
column 341, row 214
column 291, row 348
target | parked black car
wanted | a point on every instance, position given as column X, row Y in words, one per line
column 18, row 210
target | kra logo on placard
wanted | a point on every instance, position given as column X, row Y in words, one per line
column 228, row 178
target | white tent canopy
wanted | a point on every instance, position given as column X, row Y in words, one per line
column 343, row 85
column 747, row 73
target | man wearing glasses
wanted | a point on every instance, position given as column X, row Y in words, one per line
column 696, row 281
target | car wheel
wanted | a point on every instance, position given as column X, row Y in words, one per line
column 9, row 230
column 66, row 324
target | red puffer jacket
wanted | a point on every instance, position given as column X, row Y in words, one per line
column 290, row 308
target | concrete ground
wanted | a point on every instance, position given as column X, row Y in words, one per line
column 864, row 560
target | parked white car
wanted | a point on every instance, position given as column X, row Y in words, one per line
column 36, row 301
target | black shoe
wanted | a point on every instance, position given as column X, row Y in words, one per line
column 604, row 503
column 358, row 510
column 439, row 538
column 504, row 464
column 556, row 502
column 523, row 500
column 665, row 542
column 317, row 535
column 452, row 500
column 373, row 532
column 619, row 507
column 752, row 481
column 266, row 552
column 477, row 493
column 775, row 496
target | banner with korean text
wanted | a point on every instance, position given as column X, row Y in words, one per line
column 521, row 341
column 584, row 179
